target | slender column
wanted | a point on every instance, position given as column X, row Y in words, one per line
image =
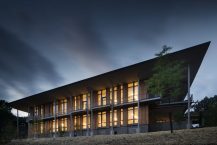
column 92, row 105
column 138, row 129
column 17, row 123
column 71, row 106
column 189, row 105
column 55, row 117
column 34, row 122
column 28, row 118
column 112, row 109
column 87, row 129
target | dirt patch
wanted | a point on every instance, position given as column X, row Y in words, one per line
column 193, row 136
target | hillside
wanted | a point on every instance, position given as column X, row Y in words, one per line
column 193, row 136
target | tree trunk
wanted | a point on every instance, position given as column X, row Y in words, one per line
column 171, row 122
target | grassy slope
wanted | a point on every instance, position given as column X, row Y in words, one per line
column 193, row 136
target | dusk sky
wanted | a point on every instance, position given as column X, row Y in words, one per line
column 49, row 43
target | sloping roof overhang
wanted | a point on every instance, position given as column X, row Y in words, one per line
column 143, row 70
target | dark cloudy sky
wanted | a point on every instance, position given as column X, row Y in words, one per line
column 49, row 43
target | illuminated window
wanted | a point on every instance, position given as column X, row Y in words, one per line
column 55, row 126
column 132, row 115
column 132, row 91
column 102, row 97
column 115, row 118
column 122, row 94
column 84, row 121
column 56, row 107
column 41, row 127
column 101, row 119
column 77, row 102
column 115, row 95
column 63, row 123
column 35, row 127
column 84, row 101
column 77, row 120
column 122, row 117
column 42, row 111
column 36, row 111
column 63, row 106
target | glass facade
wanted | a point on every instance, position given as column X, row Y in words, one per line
column 81, row 121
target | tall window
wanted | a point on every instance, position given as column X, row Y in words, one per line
column 42, row 111
column 63, row 123
column 102, row 97
column 101, row 119
column 84, row 101
column 132, row 91
column 115, row 120
column 84, row 121
column 56, row 107
column 122, row 94
column 36, row 111
column 35, row 127
column 77, row 120
column 115, row 95
column 77, row 102
column 63, row 106
column 55, row 127
column 132, row 115
column 122, row 117
column 41, row 127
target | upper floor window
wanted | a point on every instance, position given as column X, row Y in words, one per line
column 36, row 111
column 115, row 119
column 132, row 91
column 77, row 100
column 63, row 106
column 122, row 94
column 113, row 93
column 55, row 107
column 101, row 119
column 132, row 115
column 84, row 101
column 42, row 111
column 102, row 97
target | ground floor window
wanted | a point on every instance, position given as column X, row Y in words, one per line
column 115, row 119
column 132, row 115
column 101, row 119
column 55, row 127
column 41, row 127
column 85, row 120
column 63, row 123
column 77, row 123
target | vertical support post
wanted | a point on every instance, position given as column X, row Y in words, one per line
column 28, row 119
column 87, row 116
column 189, row 105
column 138, row 129
column 92, row 105
column 112, row 109
column 71, row 109
column 55, row 117
column 17, row 123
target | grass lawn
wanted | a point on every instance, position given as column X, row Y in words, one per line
column 193, row 136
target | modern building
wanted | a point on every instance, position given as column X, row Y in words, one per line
column 116, row 102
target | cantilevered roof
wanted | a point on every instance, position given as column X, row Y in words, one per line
column 143, row 70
